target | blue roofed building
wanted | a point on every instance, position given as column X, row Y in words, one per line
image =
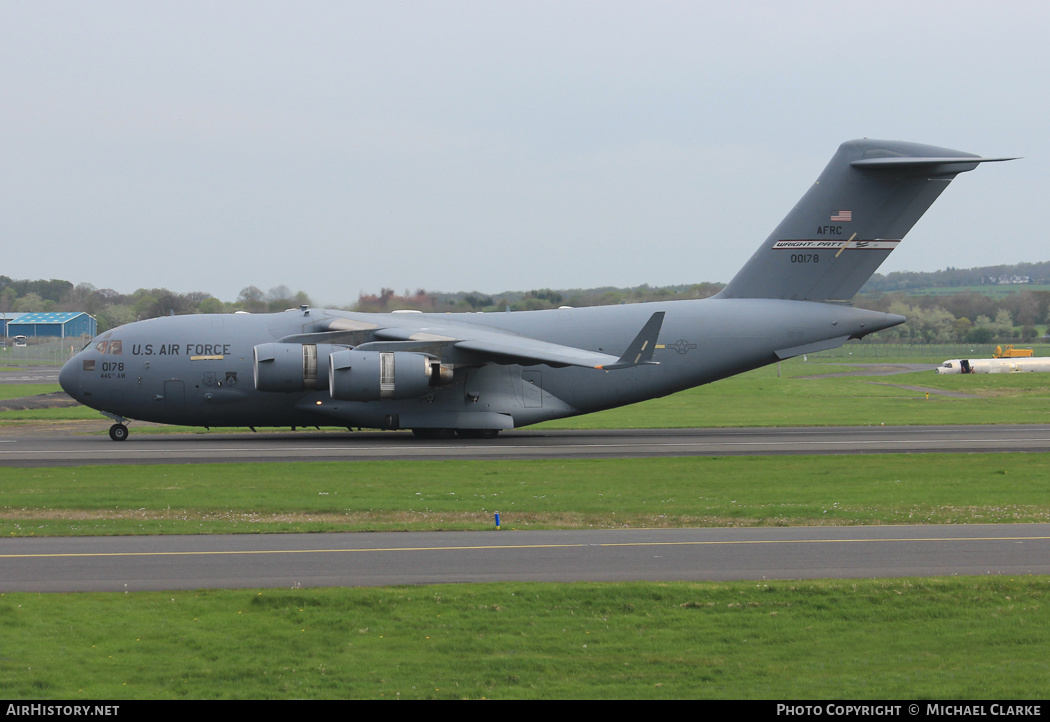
column 6, row 318
column 53, row 324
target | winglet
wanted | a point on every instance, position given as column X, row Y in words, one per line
column 640, row 352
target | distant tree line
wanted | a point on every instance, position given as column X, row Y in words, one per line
column 956, row 277
column 967, row 316
column 388, row 300
column 111, row 308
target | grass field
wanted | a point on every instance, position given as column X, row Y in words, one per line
column 795, row 398
column 960, row 638
column 992, row 290
column 869, row 639
column 536, row 494
column 16, row 391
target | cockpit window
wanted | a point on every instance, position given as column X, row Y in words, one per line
column 112, row 348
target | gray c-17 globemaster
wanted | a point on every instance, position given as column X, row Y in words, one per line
column 476, row 373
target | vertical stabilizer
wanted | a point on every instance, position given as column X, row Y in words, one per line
column 868, row 197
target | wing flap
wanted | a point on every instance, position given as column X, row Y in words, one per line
column 529, row 350
column 638, row 353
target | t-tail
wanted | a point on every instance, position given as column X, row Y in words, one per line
column 866, row 200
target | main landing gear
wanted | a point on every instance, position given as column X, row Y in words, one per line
column 477, row 433
column 118, row 432
column 461, row 433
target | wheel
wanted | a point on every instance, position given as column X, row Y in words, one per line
column 118, row 432
column 477, row 433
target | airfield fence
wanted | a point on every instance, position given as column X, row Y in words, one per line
column 50, row 352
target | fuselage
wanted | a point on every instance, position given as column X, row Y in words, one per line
column 202, row 370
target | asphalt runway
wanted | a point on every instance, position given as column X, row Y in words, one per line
column 66, row 449
column 30, row 375
column 127, row 564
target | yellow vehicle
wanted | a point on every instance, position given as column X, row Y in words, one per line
column 1011, row 352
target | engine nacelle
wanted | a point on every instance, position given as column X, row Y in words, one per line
column 379, row 375
column 291, row 367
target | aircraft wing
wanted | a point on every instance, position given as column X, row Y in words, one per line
column 506, row 347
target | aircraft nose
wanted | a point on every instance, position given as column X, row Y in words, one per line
column 69, row 376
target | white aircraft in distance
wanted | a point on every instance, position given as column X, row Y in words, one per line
column 994, row 365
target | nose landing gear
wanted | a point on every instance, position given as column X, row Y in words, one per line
column 118, row 431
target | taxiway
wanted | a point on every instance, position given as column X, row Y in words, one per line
column 125, row 564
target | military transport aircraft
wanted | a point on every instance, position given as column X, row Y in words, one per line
column 476, row 373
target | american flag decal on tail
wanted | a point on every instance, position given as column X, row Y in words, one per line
column 842, row 216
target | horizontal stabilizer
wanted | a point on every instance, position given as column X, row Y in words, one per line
column 905, row 162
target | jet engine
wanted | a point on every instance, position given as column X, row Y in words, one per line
column 291, row 367
column 374, row 375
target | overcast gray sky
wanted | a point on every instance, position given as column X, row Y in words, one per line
column 339, row 147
